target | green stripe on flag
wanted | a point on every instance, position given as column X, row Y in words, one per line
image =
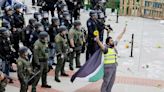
column 99, row 75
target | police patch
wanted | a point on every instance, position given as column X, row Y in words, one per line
column 35, row 47
column 19, row 63
column 89, row 23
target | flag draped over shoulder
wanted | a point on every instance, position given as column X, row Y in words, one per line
column 92, row 70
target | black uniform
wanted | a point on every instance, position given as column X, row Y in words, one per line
column 18, row 20
column 45, row 23
column 53, row 31
column 50, row 6
column 27, row 33
column 66, row 20
column 99, row 7
column 92, row 45
column 77, row 6
column 60, row 9
column 71, row 6
column 10, row 19
column 15, row 38
column 6, row 52
column 93, row 3
column 35, row 34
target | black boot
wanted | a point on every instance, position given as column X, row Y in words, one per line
column 57, row 79
column 46, row 86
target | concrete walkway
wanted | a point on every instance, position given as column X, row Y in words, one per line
column 142, row 73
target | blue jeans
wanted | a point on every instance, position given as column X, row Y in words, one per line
column 51, row 55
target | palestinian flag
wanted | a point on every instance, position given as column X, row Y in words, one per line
column 92, row 70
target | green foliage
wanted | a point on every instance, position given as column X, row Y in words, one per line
column 113, row 4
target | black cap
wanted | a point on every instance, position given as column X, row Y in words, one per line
column 43, row 34
column 37, row 25
column 93, row 13
column 62, row 28
column 77, row 23
column 54, row 19
column 23, row 50
column 32, row 21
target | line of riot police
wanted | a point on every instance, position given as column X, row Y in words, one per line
column 63, row 38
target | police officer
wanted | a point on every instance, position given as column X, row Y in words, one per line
column 100, row 7
column 92, row 26
column 19, row 21
column 61, row 7
column 41, row 56
column 53, row 31
column 61, row 51
column 76, row 42
column 3, row 81
column 37, row 16
column 71, row 6
column 13, row 55
column 8, row 16
column 76, row 11
column 5, row 54
column 93, row 3
column 66, row 20
column 110, row 61
column 50, row 6
column 27, row 31
column 34, row 35
column 101, row 24
column 24, row 69
column 45, row 21
column 60, row 4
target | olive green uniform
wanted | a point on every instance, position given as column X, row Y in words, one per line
column 62, row 47
column 40, row 58
column 78, row 39
column 24, row 72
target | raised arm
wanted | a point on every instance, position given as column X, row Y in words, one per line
column 100, row 43
column 121, row 35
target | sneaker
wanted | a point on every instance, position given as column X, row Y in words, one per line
column 46, row 86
